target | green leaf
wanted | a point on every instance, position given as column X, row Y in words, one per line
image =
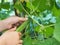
column 18, row 6
column 57, row 4
column 57, row 29
column 48, row 32
column 30, row 6
column 50, row 41
column 3, row 15
column 27, row 40
column 37, row 29
column 0, row 6
column 5, row 5
column 43, row 4
column 56, row 11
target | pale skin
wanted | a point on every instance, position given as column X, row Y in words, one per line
column 10, row 37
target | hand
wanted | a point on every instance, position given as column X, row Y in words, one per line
column 7, row 23
column 11, row 38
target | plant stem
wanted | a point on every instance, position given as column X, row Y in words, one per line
column 30, row 16
column 14, row 1
column 21, row 27
column 35, row 8
column 49, row 25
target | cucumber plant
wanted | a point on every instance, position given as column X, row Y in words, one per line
column 41, row 27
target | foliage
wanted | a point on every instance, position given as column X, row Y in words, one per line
column 42, row 26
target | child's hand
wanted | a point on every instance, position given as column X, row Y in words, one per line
column 7, row 23
column 11, row 38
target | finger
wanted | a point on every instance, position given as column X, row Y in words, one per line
column 20, row 41
column 19, row 44
column 21, row 22
column 9, row 26
column 19, row 35
column 18, row 19
column 13, row 29
column 17, row 24
column 23, row 19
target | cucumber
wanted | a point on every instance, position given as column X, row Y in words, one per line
column 22, row 26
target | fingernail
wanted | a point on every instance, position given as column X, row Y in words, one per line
column 26, row 18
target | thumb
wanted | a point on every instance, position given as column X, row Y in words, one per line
column 13, row 29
